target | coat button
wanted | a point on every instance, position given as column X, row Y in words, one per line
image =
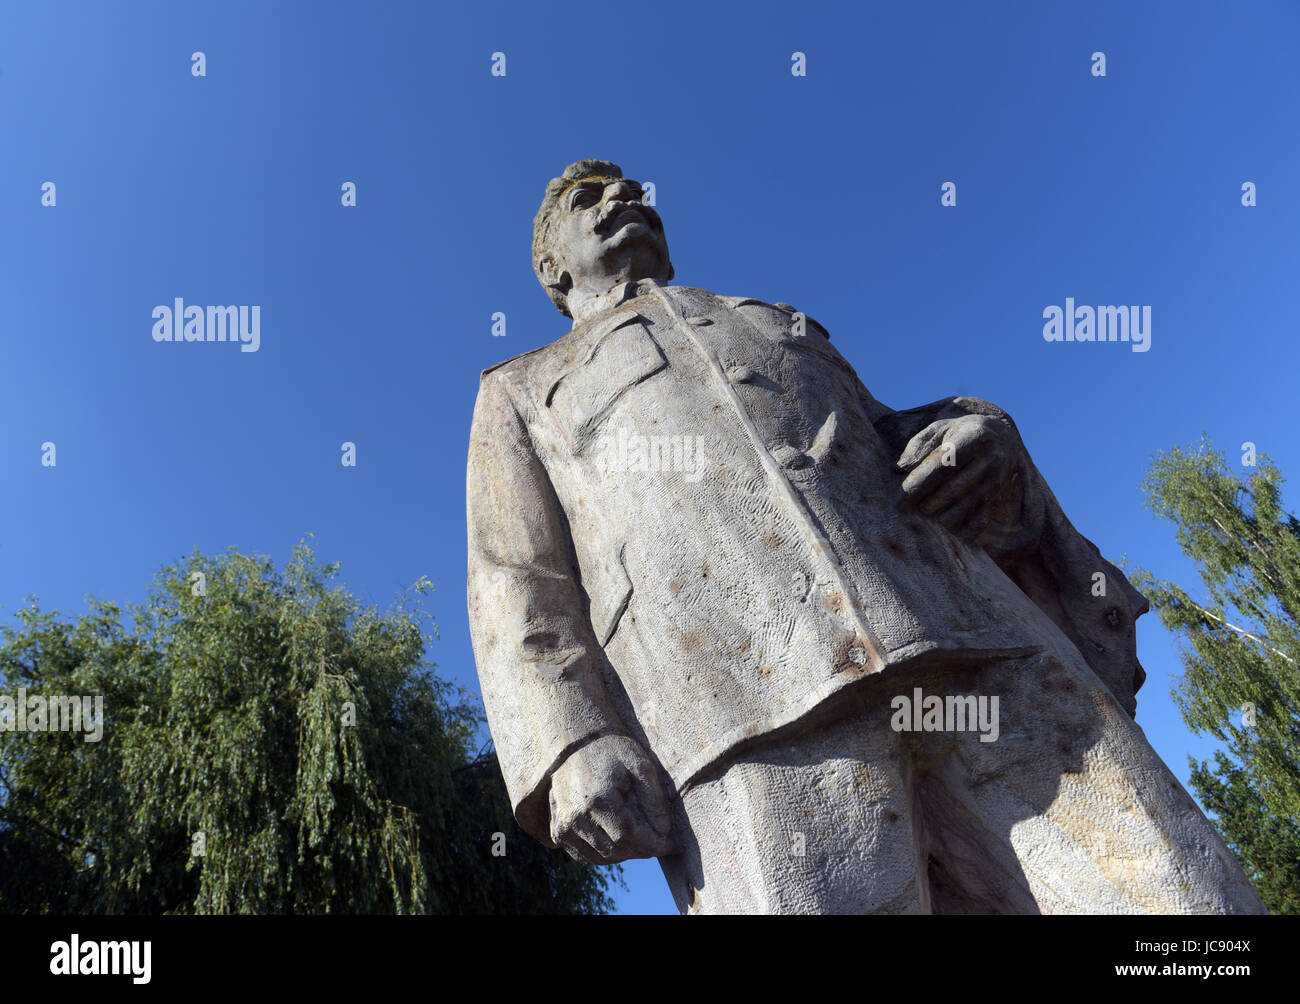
column 740, row 374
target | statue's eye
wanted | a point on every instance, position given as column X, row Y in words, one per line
column 582, row 198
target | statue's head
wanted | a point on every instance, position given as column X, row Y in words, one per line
column 593, row 232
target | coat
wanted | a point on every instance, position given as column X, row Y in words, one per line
column 685, row 527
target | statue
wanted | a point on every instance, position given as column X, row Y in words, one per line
column 814, row 654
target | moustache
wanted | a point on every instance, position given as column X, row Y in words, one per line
column 613, row 210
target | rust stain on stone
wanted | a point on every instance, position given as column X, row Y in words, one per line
column 765, row 672
column 856, row 657
column 771, row 540
column 834, row 603
column 693, row 640
column 675, row 586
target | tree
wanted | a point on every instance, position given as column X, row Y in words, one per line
column 1268, row 845
column 268, row 746
column 1240, row 652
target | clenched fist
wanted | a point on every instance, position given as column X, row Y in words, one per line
column 607, row 804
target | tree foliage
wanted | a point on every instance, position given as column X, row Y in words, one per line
column 1240, row 651
column 269, row 746
column 1267, row 845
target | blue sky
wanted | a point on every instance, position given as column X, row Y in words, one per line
column 821, row 191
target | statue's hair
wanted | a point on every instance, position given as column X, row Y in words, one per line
column 542, row 223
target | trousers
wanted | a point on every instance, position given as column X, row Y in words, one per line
column 855, row 811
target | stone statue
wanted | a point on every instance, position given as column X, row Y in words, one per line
column 814, row 654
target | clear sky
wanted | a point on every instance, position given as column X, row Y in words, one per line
column 822, row 191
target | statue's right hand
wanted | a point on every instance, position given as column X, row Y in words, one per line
column 607, row 804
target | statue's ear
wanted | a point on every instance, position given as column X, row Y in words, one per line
column 553, row 275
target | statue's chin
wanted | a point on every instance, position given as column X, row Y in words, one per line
column 634, row 253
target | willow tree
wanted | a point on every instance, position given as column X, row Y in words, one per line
column 1240, row 649
column 268, row 746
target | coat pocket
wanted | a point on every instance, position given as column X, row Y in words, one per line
column 610, row 597
column 620, row 357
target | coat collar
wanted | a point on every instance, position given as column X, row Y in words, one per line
column 611, row 299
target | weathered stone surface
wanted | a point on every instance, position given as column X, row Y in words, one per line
column 705, row 561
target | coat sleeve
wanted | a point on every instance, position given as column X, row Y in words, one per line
column 1063, row 572
column 539, row 665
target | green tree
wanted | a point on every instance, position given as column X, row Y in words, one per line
column 1267, row 845
column 1240, row 650
column 268, row 746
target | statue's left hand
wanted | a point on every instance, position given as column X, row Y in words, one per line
column 966, row 472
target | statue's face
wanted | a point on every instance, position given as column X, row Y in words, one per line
column 606, row 235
